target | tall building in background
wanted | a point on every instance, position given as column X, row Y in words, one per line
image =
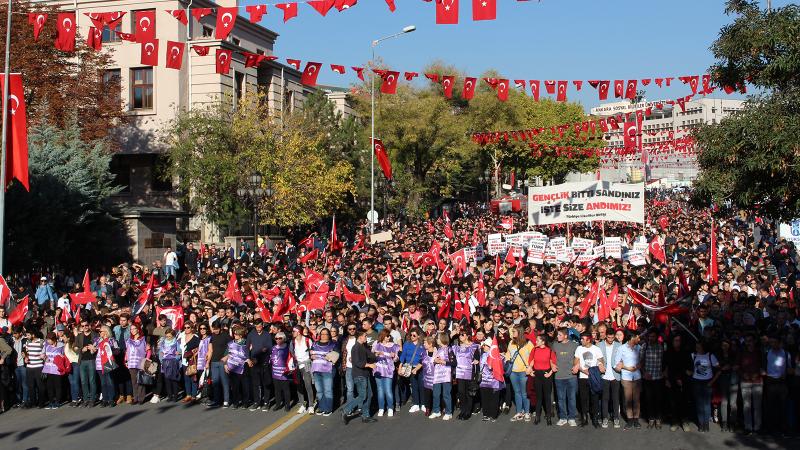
column 153, row 96
column 662, row 126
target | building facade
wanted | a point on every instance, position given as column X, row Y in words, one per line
column 664, row 125
column 153, row 96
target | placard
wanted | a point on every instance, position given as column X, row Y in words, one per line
column 584, row 201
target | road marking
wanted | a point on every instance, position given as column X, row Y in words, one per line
column 274, row 432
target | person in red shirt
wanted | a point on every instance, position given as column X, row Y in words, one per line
column 542, row 366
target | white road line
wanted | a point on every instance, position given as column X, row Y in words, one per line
column 266, row 438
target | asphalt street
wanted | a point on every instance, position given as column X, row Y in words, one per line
column 176, row 426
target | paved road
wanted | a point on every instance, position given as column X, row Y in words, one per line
column 175, row 426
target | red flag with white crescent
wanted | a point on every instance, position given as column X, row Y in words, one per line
column 383, row 158
column 713, row 270
column 389, row 85
column 590, row 299
column 149, row 51
column 65, row 32
column 5, row 292
column 469, row 88
column 447, row 12
column 174, row 316
column 17, row 134
column 484, row 9
column 310, row 73
column 232, row 292
column 226, row 18
column 17, row 316
column 389, row 276
column 175, row 54
column 145, row 25
column 37, row 20
column 480, row 293
column 657, row 250
column 495, row 362
column 223, row 61
column 498, row 270
column 502, row 90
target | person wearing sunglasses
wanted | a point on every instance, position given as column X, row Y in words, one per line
column 85, row 347
column 467, row 355
column 281, row 372
column 410, row 357
column 348, row 341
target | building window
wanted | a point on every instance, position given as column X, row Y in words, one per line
column 122, row 174
column 235, row 41
column 238, row 86
column 142, row 88
column 259, row 51
column 112, row 82
column 110, row 35
column 207, row 31
column 159, row 179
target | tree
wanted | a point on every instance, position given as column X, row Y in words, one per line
column 750, row 158
column 67, row 219
column 213, row 150
column 59, row 86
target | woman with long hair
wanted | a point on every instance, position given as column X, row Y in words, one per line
column 467, row 356
column 105, row 365
column 542, row 366
column 322, row 369
column 518, row 352
column 135, row 353
column 386, row 351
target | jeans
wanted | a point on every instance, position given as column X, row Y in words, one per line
column 385, row 392
column 189, row 384
column 22, row 384
column 107, row 386
column 362, row 386
column 702, row 401
column 348, row 378
column 74, row 378
column 415, row 381
column 88, row 381
column 566, row 389
column 441, row 391
column 752, row 396
column 324, row 383
column 219, row 380
column 519, row 381
column 169, row 271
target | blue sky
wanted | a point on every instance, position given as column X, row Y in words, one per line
column 554, row 39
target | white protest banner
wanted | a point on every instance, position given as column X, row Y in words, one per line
column 566, row 256
column 584, row 201
column 495, row 244
column 636, row 258
column 469, row 253
column 559, row 244
column 550, row 255
column 513, row 238
column 516, row 250
column 642, row 247
column 536, row 249
column 613, row 247
column 581, row 245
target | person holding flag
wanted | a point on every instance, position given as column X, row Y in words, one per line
column 491, row 379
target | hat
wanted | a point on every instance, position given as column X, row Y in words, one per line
column 60, row 327
column 487, row 342
column 280, row 334
column 43, row 279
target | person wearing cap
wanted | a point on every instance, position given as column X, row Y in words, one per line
column 281, row 372
column 490, row 386
column 45, row 293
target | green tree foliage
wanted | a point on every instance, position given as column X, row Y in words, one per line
column 751, row 157
column 213, row 150
column 67, row 219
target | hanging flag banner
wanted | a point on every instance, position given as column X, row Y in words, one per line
column 585, row 201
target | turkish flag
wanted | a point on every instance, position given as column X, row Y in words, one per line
column 459, row 261
column 37, row 20
column 257, row 12
column 447, row 12
column 223, row 61
column 657, row 250
column 359, row 72
column 263, row 311
column 480, row 292
column 226, row 18
column 145, row 297
column 590, row 300
column 310, row 73
column 444, row 310
column 86, row 296
column 334, row 244
column 94, row 39
column 391, row 5
column 313, row 281
column 562, row 91
column 447, row 84
column 17, row 134
column 631, row 135
column 112, row 20
column 535, row 89
column 663, row 222
column 18, row 315
column 498, row 269
column 149, row 52
column 383, row 158
column 550, row 86
column 495, row 362
column 630, row 91
column 602, row 89
column 618, row 88
column 255, row 60
column 175, row 54
column 322, row 6
column 5, row 292
column 352, row 296
column 448, row 231
column 174, row 316
column 484, row 9
column 199, row 13
column 232, row 291
column 126, row 36
column 201, row 50
column 145, row 28
column 693, row 81
column 338, row 69
column 502, row 90
column 389, row 276
column 65, row 32
column 179, row 15
column 289, row 10
column 389, row 85
column 469, row 88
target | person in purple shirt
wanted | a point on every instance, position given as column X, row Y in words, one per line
column 235, row 361
column 467, row 355
column 136, row 349
column 386, row 352
column 322, row 370
column 443, row 363
column 55, row 379
column 169, row 355
column 490, row 386
column 426, row 366
column 279, row 358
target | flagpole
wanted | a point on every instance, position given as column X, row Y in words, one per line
column 4, row 140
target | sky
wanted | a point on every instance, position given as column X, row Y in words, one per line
column 551, row 39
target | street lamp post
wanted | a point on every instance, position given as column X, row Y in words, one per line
column 375, row 43
column 487, row 176
column 255, row 192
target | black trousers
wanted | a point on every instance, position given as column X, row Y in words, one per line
column 589, row 400
column 677, row 402
column 261, row 384
column 54, row 384
column 171, row 387
column 490, row 402
column 427, row 399
column 37, row 392
column 240, row 389
column 544, row 390
column 283, row 393
column 653, row 392
column 464, row 398
column 610, row 395
column 776, row 394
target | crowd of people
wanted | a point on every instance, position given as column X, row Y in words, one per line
column 402, row 329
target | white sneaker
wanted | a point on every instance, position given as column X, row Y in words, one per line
column 380, row 413
column 390, row 413
column 301, row 409
column 310, row 410
column 414, row 409
column 155, row 399
column 572, row 423
column 434, row 416
column 561, row 422
column 447, row 417
column 423, row 409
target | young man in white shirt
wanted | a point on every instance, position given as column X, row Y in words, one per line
column 587, row 356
